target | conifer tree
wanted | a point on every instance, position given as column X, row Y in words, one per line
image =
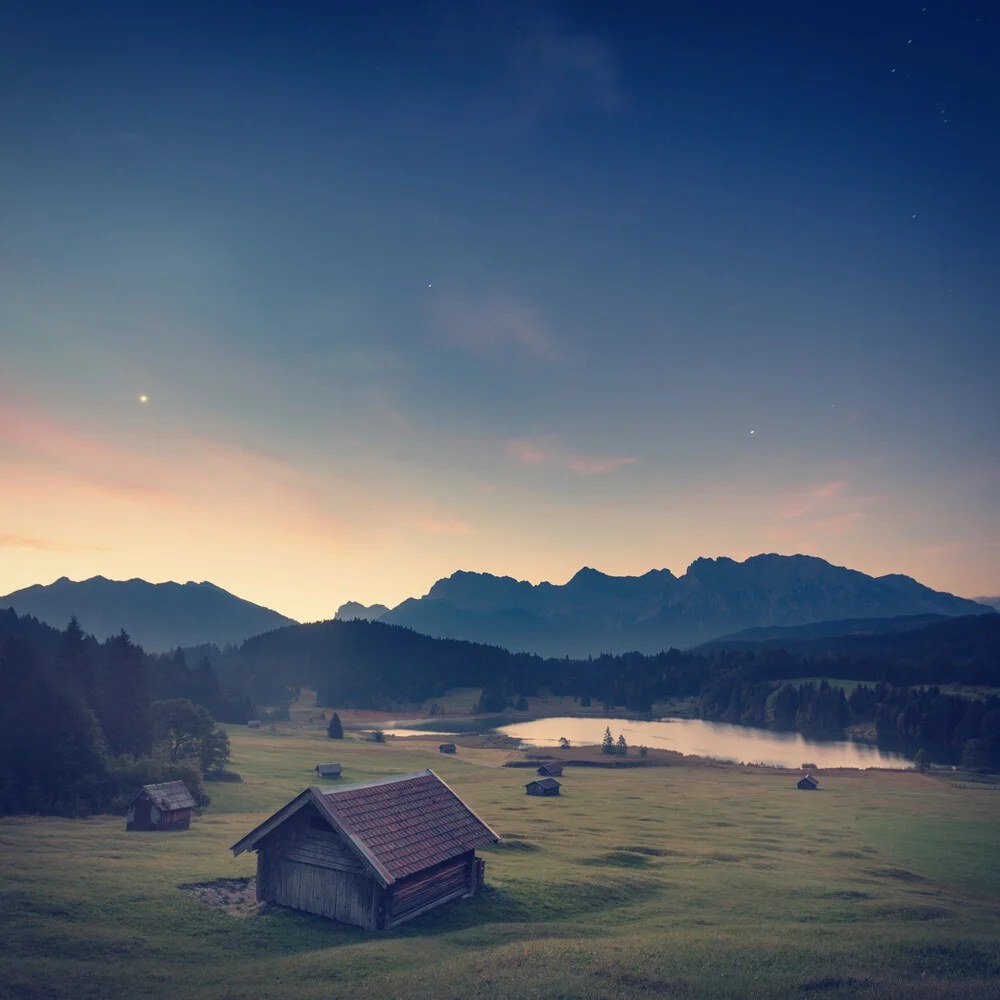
column 123, row 702
column 608, row 745
column 335, row 730
column 621, row 746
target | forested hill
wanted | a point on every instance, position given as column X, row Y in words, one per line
column 371, row 665
column 968, row 647
column 367, row 664
column 364, row 664
column 158, row 616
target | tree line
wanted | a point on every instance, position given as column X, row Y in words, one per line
column 84, row 723
column 952, row 727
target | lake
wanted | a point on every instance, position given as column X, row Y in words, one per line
column 694, row 736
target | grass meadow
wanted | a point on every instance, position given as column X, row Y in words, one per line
column 649, row 882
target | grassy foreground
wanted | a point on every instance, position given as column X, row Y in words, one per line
column 658, row 882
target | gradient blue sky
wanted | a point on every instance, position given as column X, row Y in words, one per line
column 501, row 286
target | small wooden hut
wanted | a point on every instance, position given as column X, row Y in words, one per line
column 447, row 748
column 808, row 783
column 167, row 806
column 551, row 770
column 328, row 770
column 254, row 724
column 373, row 854
column 542, row 786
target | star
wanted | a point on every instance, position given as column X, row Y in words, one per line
column 144, row 398
column 753, row 432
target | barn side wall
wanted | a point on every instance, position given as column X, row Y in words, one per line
column 424, row 890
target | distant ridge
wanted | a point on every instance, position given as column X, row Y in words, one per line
column 158, row 616
column 351, row 610
column 783, row 636
column 993, row 602
column 594, row 613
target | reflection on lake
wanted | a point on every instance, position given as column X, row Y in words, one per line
column 709, row 739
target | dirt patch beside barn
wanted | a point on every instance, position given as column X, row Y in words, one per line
column 237, row 896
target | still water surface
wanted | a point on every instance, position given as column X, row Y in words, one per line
column 694, row 736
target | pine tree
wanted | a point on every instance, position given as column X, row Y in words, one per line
column 123, row 702
column 77, row 660
column 621, row 746
column 335, row 730
column 608, row 745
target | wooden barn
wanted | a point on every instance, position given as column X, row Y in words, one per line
column 542, row 786
column 373, row 854
column 551, row 770
column 254, row 724
column 328, row 770
column 167, row 806
column 447, row 748
column 808, row 783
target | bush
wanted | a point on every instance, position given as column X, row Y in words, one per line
column 378, row 736
column 223, row 775
column 127, row 774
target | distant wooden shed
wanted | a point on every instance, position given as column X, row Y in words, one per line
column 542, row 786
column 447, row 748
column 373, row 854
column 167, row 806
column 254, row 724
column 808, row 783
column 328, row 770
column 552, row 770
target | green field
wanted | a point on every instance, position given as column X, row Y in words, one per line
column 659, row 882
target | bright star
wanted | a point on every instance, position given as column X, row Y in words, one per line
column 144, row 398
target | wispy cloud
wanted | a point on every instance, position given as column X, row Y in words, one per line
column 549, row 451
column 594, row 465
column 443, row 526
column 492, row 327
column 558, row 70
column 9, row 541
column 839, row 523
column 800, row 504
column 40, row 441
column 529, row 452
column 822, row 510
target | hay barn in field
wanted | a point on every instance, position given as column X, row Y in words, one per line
column 253, row 724
column 447, row 748
column 808, row 783
column 328, row 770
column 542, row 786
column 167, row 806
column 373, row 854
column 552, row 770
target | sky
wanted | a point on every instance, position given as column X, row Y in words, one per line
column 325, row 301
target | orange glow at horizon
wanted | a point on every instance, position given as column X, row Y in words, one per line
column 305, row 540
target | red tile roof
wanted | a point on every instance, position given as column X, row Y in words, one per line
column 407, row 823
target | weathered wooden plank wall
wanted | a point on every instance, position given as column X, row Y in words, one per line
column 426, row 889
